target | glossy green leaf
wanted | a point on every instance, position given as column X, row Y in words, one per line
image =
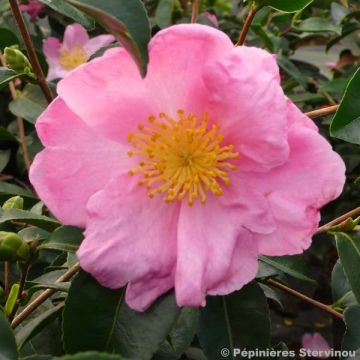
column 346, row 122
column 8, row 349
column 7, row 75
column 29, row 104
column 318, row 25
column 70, row 11
column 4, row 158
column 7, row 38
column 90, row 356
column 348, row 247
column 126, row 20
column 351, row 340
column 34, row 326
column 12, row 299
column 285, row 5
column 43, row 222
column 239, row 320
column 65, row 238
column 289, row 67
column 113, row 326
column 287, row 265
column 164, row 12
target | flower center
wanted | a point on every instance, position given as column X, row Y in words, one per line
column 182, row 158
column 72, row 59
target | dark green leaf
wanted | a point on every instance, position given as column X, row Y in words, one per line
column 351, row 340
column 126, row 20
column 70, row 11
column 289, row 67
column 8, row 350
column 27, row 217
column 349, row 252
column 34, row 326
column 164, row 11
column 7, row 75
column 239, row 320
column 346, row 122
column 316, row 24
column 287, row 265
column 113, row 326
column 7, row 38
column 29, row 104
column 65, row 238
column 4, row 158
column 285, row 5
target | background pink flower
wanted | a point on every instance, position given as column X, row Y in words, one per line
column 75, row 50
column 33, row 8
column 315, row 342
column 208, row 127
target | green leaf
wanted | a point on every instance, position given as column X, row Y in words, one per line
column 239, row 320
column 70, row 11
column 8, row 350
column 7, row 75
column 7, row 38
column 346, row 122
column 164, row 12
column 287, row 265
column 288, row 66
column 4, row 158
column 180, row 336
column 27, row 217
column 91, row 355
column 12, row 299
column 285, row 5
column 33, row 327
column 351, row 340
column 65, row 238
column 126, row 20
column 29, row 104
column 349, row 252
column 316, row 24
column 113, row 326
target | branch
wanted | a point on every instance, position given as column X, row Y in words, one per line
column 31, row 50
column 322, row 112
column 339, row 220
column 246, row 27
column 303, row 297
column 44, row 296
column 195, row 11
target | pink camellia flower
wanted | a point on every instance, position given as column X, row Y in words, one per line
column 316, row 345
column 33, row 8
column 183, row 178
column 74, row 51
column 212, row 18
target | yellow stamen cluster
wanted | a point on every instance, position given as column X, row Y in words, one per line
column 72, row 59
column 181, row 158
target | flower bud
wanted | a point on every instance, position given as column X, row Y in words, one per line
column 13, row 248
column 15, row 202
column 18, row 62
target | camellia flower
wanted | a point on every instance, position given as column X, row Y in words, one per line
column 183, row 178
column 316, row 343
column 74, row 51
column 34, row 8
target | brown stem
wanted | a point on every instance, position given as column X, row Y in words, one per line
column 195, row 11
column 338, row 220
column 20, row 122
column 30, row 50
column 44, row 296
column 322, row 112
column 6, row 279
column 303, row 297
column 246, row 27
column 23, row 276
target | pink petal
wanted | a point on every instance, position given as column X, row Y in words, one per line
column 75, row 36
column 250, row 106
column 313, row 176
column 97, row 43
column 138, row 241
column 174, row 80
column 51, row 48
column 315, row 342
column 76, row 163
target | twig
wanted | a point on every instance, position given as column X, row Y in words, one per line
column 246, row 27
column 195, row 11
column 20, row 122
column 44, row 296
column 30, row 50
column 303, row 297
column 338, row 220
column 322, row 112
